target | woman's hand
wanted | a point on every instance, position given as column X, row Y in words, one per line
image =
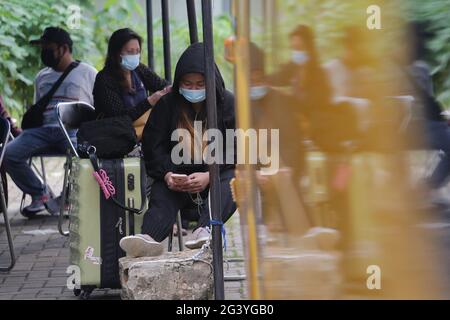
column 154, row 98
column 198, row 182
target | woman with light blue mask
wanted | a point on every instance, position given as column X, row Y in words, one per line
column 125, row 86
column 303, row 73
column 182, row 185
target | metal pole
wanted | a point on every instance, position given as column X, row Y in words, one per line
column 274, row 32
column 214, row 178
column 4, row 209
column 244, row 122
column 264, row 15
column 151, row 55
column 166, row 40
column 3, row 204
column 180, row 231
column 192, row 19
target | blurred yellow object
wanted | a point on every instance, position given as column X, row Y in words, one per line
column 229, row 47
column 339, row 219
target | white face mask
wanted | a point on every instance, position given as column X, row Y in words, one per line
column 130, row 61
column 299, row 57
column 193, row 96
column 258, row 92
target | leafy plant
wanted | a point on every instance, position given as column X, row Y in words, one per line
column 435, row 13
column 21, row 21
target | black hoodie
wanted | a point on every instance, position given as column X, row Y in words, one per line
column 156, row 142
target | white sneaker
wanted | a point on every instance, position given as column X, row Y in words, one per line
column 199, row 237
column 141, row 245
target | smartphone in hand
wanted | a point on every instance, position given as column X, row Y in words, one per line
column 179, row 178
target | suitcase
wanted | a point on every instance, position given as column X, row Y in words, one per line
column 98, row 224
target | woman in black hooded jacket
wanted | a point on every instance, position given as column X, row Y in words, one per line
column 182, row 185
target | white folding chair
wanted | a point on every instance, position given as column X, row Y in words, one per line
column 70, row 117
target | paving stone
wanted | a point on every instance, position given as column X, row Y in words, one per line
column 58, row 272
column 38, row 275
column 57, row 282
column 23, row 266
column 30, row 291
column 50, row 292
column 10, row 289
column 26, row 258
column 21, row 239
column 33, row 284
column 14, row 273
column 49, row 253
column 14, row 279
column 45, row 265
column 233, row 284
column 233, row 296
column 24, row 296
column 62, row 264
column 7, row 296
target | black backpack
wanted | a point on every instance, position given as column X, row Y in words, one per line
column 113, row 138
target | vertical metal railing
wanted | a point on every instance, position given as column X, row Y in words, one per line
column 192, row 20
column 166, row 39
column 244, row 122
column 150, row 50
column 214, row 177
column 5, row 127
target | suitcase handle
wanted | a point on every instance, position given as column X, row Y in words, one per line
column 94, row 161
column 131, row 217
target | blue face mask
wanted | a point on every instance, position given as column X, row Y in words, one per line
column 299, row 57
column 130, row 61
column 193, row 96
column 258, row 92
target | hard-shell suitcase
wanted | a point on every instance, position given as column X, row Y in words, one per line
column 98, row 224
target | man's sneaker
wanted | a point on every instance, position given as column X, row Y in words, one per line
column 141, row 245
column 36, row 206
column 53, row 205
column 199, row 237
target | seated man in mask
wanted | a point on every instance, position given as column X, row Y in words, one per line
column 44, row 135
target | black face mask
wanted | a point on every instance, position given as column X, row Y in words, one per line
column 48, row 58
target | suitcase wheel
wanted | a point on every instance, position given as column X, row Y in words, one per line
column 85, row 295
column 76, row 292
column 86, row 292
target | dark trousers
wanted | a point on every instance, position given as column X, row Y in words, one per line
column 29, row 143
column 165, row 204
column 438, row 138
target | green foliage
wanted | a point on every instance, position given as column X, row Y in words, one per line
column 21, row 21
column 114, row 15
column 436, row 14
